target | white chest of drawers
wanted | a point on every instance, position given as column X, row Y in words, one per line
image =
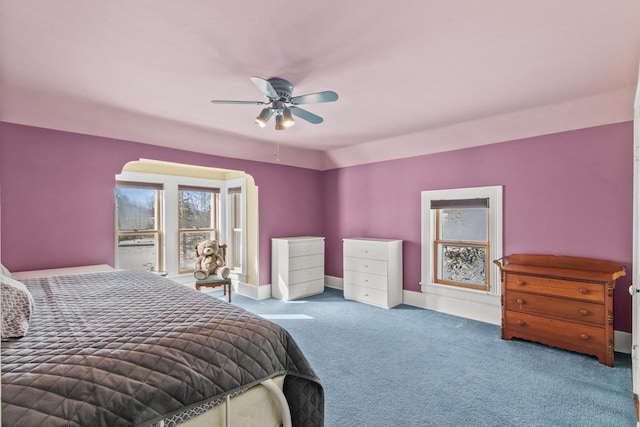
column 373, row 271
column 297, row 267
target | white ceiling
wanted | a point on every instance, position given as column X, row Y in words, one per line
column 414, row 76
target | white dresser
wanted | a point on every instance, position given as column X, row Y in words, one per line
column 373, row 271
column 297, row 267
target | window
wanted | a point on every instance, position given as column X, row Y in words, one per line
column 138, row 225
column 461, row 246
column 197, row 221
column 235, row 215
column 461, row 235
column 168, row 215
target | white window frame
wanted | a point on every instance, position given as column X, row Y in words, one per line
column 216, row 225
column 236, row 183
column 158, row 230
column 428, row 218
column 169, row 222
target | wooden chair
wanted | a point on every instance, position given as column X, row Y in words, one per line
column 215, row 281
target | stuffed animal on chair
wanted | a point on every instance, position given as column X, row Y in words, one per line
column 209, row 261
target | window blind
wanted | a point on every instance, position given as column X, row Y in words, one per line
column 460, row 203
column 202, row 189
column 150, row 185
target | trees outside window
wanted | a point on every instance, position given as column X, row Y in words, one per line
column 138, row 221
column 197, row 221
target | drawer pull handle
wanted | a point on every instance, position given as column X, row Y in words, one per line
column 583, row 311
column 584, row 337
column 519, row 282
column 520, row 301
column 520, row 322
column 583, row 291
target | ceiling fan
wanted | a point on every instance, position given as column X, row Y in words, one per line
column 279, row 101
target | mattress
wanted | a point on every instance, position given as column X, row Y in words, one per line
column 135, row 349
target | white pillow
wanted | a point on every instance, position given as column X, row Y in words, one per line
column 4, row 271
column 17, row 307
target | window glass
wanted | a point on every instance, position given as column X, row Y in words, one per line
column 464, row 224
column 462, row 264
column 235, row 245
column 138, row 252
column 197, row 219
column 196, row 209
column 461, row 247
column 136, row 208
column 138, row 237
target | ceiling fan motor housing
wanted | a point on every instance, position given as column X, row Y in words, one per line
column 283, row 88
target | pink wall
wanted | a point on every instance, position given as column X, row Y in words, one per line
column 566, row 194
column 57, row 202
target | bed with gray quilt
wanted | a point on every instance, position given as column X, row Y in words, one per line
column 135, row 349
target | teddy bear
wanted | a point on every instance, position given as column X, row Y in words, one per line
column 209, row 262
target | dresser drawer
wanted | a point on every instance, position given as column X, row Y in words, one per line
column 300, row 290
column 579, row 311
column 310, row 247
column 366, row 295
column 372, row 281
column 365, row 265
column 365, row 250
column 558, row 333
column 562, row 288
column 308, row 261
column 306, row 275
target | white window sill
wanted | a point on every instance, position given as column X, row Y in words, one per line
column 469, row 303
column 435, row 288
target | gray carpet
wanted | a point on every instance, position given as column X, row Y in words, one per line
column 413, row 367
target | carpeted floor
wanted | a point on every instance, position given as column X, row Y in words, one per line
column 413, row 367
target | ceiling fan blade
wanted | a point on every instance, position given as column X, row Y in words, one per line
column 265, row 87
column 305, row 115
column 315, row 98
column 221, row 101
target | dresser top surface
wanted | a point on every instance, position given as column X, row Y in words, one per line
column 297, row 238
column 370, row 239
column 575, row 268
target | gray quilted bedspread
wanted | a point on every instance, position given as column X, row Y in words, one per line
column 132, row 349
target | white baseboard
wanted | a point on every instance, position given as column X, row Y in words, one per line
column 252, row 291
column 333, row 282
column 622, row 342
column 481, row 307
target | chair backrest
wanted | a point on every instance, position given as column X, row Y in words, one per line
column 222, row 251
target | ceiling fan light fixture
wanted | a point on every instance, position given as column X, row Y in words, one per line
column 279, row 122
column 287, row 118
column 264, row 117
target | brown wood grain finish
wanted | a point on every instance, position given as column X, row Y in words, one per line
column 579, row 311
column 556, row 287
column 564, row 302
column 559, row 333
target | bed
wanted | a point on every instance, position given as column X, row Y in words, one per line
column 126, row 348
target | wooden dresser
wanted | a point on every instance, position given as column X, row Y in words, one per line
column 561, row 301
